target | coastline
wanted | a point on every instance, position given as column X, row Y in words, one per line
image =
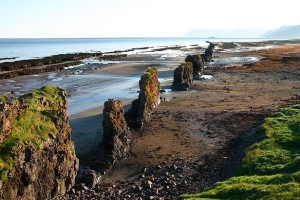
column 196, row 137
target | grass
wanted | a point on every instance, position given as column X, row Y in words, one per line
column 32, row 127
column 270, row 168
column 3, row 98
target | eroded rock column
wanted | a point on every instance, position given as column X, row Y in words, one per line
column 198, row 65
column 116, row 133
column 183, row 77
column 149, row 98
column 208, row 54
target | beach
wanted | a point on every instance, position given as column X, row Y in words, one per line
column 199, row 136
column 195, row 137
column 93, row 82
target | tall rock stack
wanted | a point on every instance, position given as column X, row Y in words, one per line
column 208, row 54
column 116, row 133
column 183, row 77
column 37, row 156
column 198, row 65
column 149, row 98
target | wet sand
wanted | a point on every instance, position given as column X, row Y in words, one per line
column 90, row 84
column 198, row 138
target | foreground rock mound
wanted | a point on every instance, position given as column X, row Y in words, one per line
column 198, row 65
column 149, row 98
column 116, row 133
column 37, row 157
column 183, row 77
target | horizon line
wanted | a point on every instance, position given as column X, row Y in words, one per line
column 136, row 37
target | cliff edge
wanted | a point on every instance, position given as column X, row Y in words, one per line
column 37, row 156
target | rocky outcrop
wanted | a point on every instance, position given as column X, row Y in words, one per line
column 116, row 135
column 9, row 110
column 56, row 59
column 183, row 77
column 37, row 157
column 208, row 54
column 48, row 64
column 198, row 65
column 37, row 70
column 149, row 98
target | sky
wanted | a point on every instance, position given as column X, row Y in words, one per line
column 139, row 18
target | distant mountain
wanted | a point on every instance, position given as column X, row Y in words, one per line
column 226, row 33
column 284, row 32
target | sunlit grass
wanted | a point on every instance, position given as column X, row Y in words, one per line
column 271, row 167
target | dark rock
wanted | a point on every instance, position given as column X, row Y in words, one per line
column 90, row 178
column 149, row 98
column 198, row 65
column 116, row 133
column 41, row 169
column 183, row 77
column 208, row 54
column 48, row 64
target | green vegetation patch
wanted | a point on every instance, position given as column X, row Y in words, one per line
column 271, row 167
column 34, row 126
column 3, row 98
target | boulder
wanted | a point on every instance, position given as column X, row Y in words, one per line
column 116, row 135
column 149, row 98
column 37, row 156
column 183, row 77
column 198, row 65
column 90, row 178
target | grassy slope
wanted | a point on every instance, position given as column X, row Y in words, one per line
column 271, row 168
column 31, row 128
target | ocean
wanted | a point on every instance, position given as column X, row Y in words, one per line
column 22, row 49
column 88, row 88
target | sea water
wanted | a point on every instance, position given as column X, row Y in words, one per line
column 21, row 49
column 88, row 90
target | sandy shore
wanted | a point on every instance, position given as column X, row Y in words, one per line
column 199, row 136
column 193, row 140
column 90, row 84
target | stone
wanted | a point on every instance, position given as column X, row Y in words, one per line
column 149, row 98
column 51, row 63
column 198, row 65
column 42, row 170
column 90, row 178
column 116, row 136
column 183, row 77
column 149, row 184
column 208, row 54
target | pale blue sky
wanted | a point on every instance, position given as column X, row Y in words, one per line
column 139, row 18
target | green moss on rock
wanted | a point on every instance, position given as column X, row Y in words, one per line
column 36, row 122
column 149, row 86
column 149, row 98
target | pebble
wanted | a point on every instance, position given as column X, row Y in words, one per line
column 149, row 184
column 162, row 181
